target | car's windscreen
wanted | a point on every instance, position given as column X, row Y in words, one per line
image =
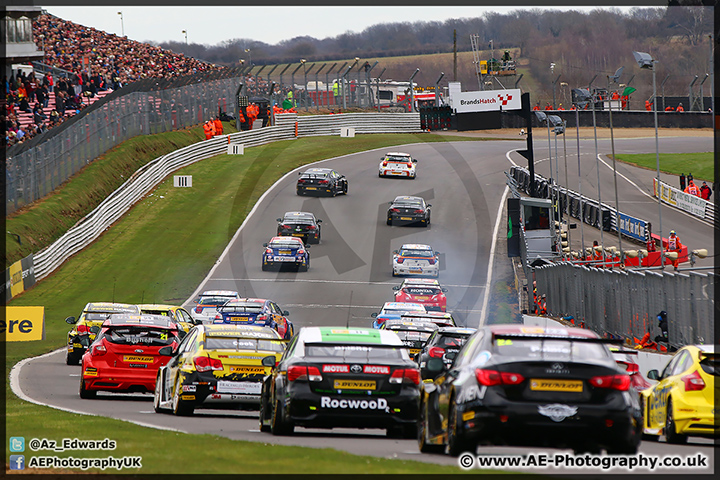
column 449, row 341
column 225, row 343
column 711, row 365
column 412, row 335
column 213, row 300
column 96, row 317
column 132, row 335
column 314, row 175
column 355, row 352
column 406, row 252
column 550, row 349
column 164, row 313
column 421, row 290
column 242, row 307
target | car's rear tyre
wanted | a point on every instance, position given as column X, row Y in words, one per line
column 85, row 393
column 422, row 434
column 671, row 435
column 455, row 444
column 380, row 175
column 180, row 407
column 389, row 221
column 345, row 189
column 263, row 416
column 71, row 358
column 265, row 267
column 278, row 425
column 623, row 446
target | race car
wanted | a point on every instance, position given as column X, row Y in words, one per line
column 88, row 325
column 217, row 366
column 321, row 181
column 441, row 319
column 256, row 311
column 396, row 164
column 395, row 310
column 126, row 355
column 407, row 210
column 286, row 251
column 178, row 314
column 300, row 224
column 683, row 402
column 338, row 377
column 416, row 259
column 422, row 290
column 444, row 344
column 530, row 386
column 207, row 303
column 414, row 334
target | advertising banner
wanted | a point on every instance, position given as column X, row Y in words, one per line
column 684, row 201
column 491, row 100
column 633, row 227
column 19, row 277
column 23, row 324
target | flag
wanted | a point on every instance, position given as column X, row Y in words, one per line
column 628, row 91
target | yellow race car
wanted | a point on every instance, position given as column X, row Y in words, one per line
column 217, row 366
column 681, row 404
column 87, row 326
column 178, row 314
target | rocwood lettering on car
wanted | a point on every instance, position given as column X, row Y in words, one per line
column 379, row 404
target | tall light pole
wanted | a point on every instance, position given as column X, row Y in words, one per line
column 618, row 221
column 644, row 60
column 122, row 23
column 186, row 40
column 247, row 50
column 597, row 166
column 303, row 62
column 412, row 91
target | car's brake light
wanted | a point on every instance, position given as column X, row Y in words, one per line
column 693, row 381
column 493, row 377
column 83, row 329
column 312, row 227
column 261, row 318
column 399, row 259
column 284, row 226
column 205, row 364
column 268, row 251
column 385, row 163
column 218, row 317
column 198, row 309
column 99, row 350
column 301, row 180
column 436, row 352
column 409, row 375
column 616, row 382
column 409, row 165
column 419, row 210
column 297, row 372
column 394, row 210
column 431, row 261
column 301, row 252
column 324, row 182
column 314, row 374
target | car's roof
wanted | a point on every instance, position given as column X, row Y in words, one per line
column 706, row 348
column 420, row 281
column 456, row 330
column 235, row 301
column 408, row 199
column 109, row 307
column 351, row 336
column 397, row 154
column 400, row 305
column 157, row 306
column 145, row 320
column 559, row 332
column 431, row 314
column 219, row 293
column 240, row 331
column 415, row 246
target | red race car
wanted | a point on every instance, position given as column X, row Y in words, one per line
column 425, row 291
column 124, row 356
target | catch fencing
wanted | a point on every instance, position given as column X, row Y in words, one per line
column 149, row 176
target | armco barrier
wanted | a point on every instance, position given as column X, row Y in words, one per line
column 684, row 201
column 149, row 176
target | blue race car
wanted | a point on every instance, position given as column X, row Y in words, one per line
column 395, row 310
column 256, row 311
column 282, row 251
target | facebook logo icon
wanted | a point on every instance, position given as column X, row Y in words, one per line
column 17, row 462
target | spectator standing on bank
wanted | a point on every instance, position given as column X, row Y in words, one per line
column 692, row 189
column 705, row 191
column 663, row 325
column 218, row 126
column 680, row 108
column 208, row 129
column 682, row 182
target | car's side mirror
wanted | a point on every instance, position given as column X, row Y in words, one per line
column 167, row 351
column 451, row 355
column 265, row 244
column 319, row 221
column 428, row 205
column 389, row 203
column 396, row 288
column 395, row 252
column 435, row 365
column 285, row 313
column 269, row 361
column 307, row 246
column 444, row 290
column 70, row 320
column 414, row 160
column 94, row 329
column 374, row 315
column 299, row 173
column 279, row 219
column 653, row 375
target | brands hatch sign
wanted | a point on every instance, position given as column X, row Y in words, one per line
column 466, row 102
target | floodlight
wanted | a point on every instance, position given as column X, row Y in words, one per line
column 644, row 60
column 541, row 117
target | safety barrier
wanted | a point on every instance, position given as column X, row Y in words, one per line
column 692, row 204
column 149, row 176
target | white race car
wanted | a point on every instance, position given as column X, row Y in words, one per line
column 416, row 259
column 396, row 164
column 208, row 302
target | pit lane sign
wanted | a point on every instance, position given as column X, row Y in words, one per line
column 486, row 101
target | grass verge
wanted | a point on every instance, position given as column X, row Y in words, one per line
column 701, row 165
column 159, row 252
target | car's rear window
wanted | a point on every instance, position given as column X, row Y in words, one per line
column 139, row 336
column 711, row 365
column 550, row 349
column 355, row 352
column 398, row 160
column 96, row 317
column 213, row 300
column 224, row 343
column 446, row 341
column 242, row 307
column 416, row 253
column 281, row 244
column 421, row 290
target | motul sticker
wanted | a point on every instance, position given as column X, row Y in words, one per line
column 379, row 369
column 379, row 404
column 336, row 369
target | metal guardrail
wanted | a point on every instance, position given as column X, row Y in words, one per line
column 147, row 177
column 691, row 204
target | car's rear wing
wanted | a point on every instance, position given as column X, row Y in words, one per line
column 525, row 336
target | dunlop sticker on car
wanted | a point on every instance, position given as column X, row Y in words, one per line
column 246, row 369
column 135, row 358
column 550, row 385
column 354, row 384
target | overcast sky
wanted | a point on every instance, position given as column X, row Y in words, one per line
column 213, row 25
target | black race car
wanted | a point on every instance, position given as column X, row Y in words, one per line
column 300, row 224
column 530, row 386
column 444, row 344
column 319, row 181
column 333, row 377
column 414, row 334
column 408, row 210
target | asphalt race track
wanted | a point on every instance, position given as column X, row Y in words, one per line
column 350, row 271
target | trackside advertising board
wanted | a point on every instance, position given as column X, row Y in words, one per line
column 486, row 101
column 19, row 277
column 23, row 324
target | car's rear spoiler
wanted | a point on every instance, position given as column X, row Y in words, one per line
column 515, row 336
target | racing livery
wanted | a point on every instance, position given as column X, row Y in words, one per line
column 683, row 402
column 334, row 377
column 530, row 386
column 444, row 343
column 396, row 164
column 286, row 251
column 256, row 311
column 416, row 259
column 88, row 325
column 407, row 210
column 441, row 319
column 178, row 314
column 126, row 355
column 422, row 290
column 300, row 224
column 414, row 334
column 320, row 181
column 395, row 310
column 207, row 303
column 217, row 366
